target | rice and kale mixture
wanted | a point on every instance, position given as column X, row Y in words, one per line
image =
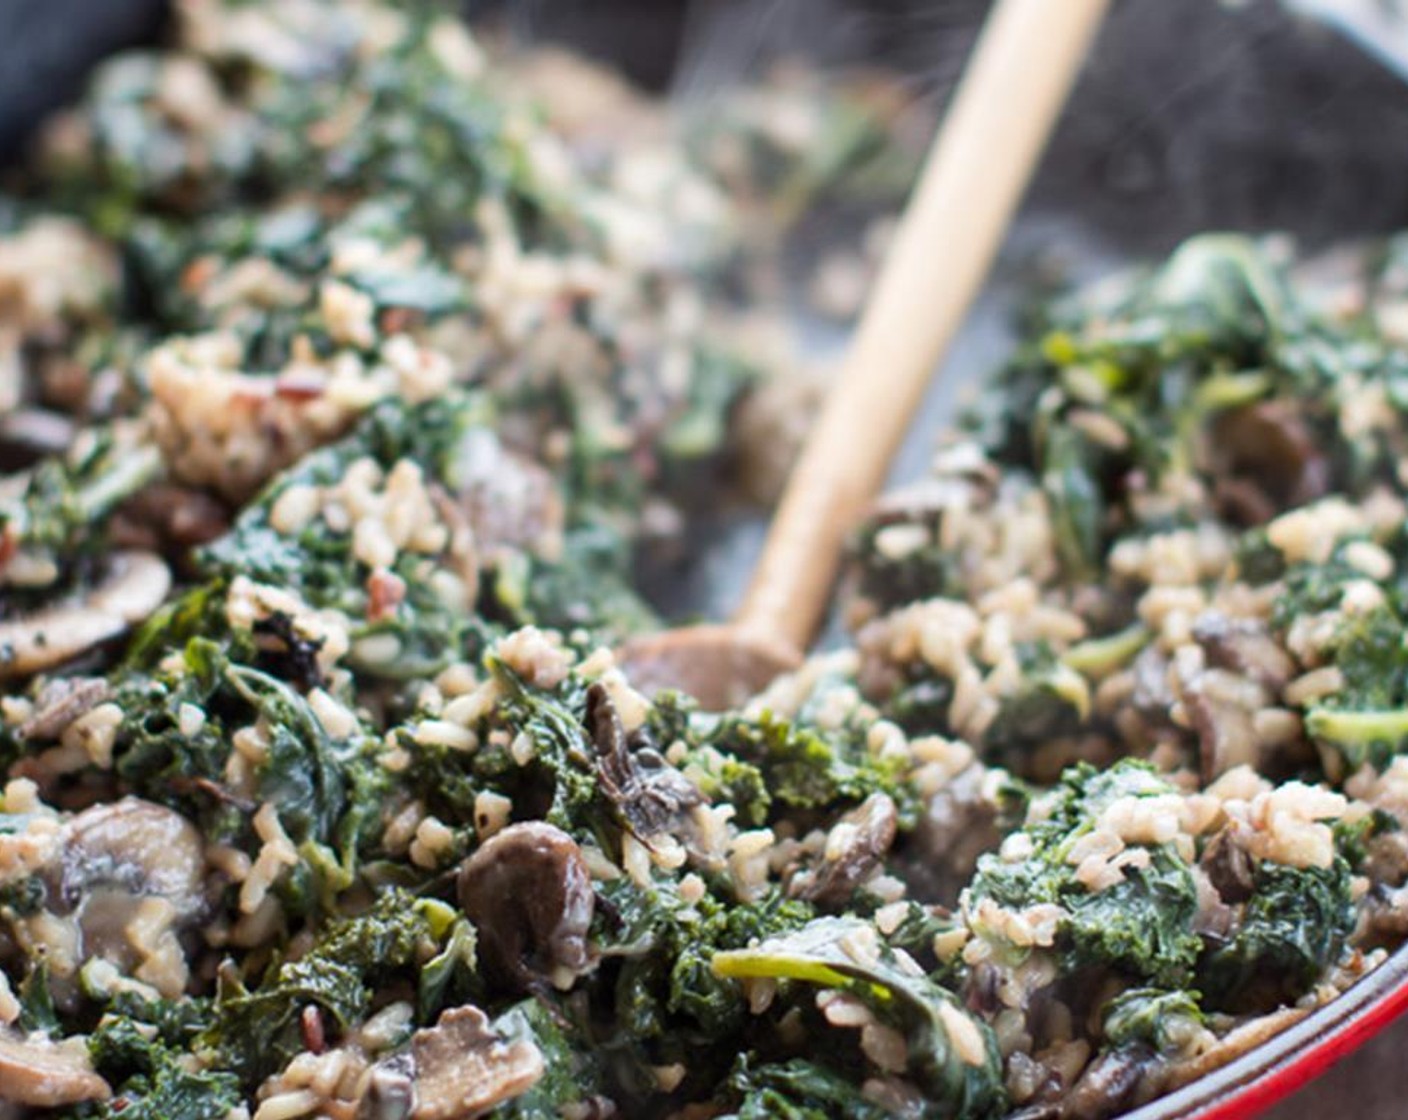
column 343, row 382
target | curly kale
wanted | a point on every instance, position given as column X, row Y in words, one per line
column 1140, row 926
column 920, row 573
column 572, row 1069
column 61, row 515
column 1366, row 721
column 1166, row 1022
column 587, row 589
column 1208, row 367
column 327, row 791
column 319, row 564
column 256, row 1031
column 1052, row 700
column 795, row 1090
column 952, row 1056
column 1291, row 930
column 804, row 767
column 666, row 990
column 140, row 1048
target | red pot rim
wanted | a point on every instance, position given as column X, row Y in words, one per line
column 1250, row 1084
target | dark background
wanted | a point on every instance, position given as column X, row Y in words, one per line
column 1192, row 114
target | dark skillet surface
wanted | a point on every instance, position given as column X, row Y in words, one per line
column 1192, row 117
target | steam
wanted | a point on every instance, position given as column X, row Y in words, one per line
column 728, row 41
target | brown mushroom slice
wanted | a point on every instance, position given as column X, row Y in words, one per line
column 1228, row 867
column 172, row 517
column 116, row 861
column 44, row 1074
column 511, row 502
column 1111, row 1083
column 1268, row 458
column 144, row 848
column 390, row 1092
column 1226, row 734
column 529, row 894
column 860, row 839
column 463, row 1069
column 1245, row 646
column 136, row 585
column 60, row 702
column 29, row 434
column 958, row 824
column 652, row 795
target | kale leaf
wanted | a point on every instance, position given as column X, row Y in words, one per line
column 140, row 1048
column 1140, row 926
column 796, row 1090
column 1292, row 929
column 255, row 1032
column 952, row 1055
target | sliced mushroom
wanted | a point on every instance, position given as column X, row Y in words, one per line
column 650, row 793
column 1245, row 646
column 170, row 517
column 1110, row 1084
column 286, row 652
column 391, row 1090
column 1153, row 695
column 1226, row 734
column 1269, row 458
column 29, row 434
column 1213, row 918
column 1228, row 867
column 511, row 502
column 855, row 850
column 143, row 848
column 457, row 1070
column 44, row 1074
column 958, row 825
column 60, row 702
column 529, row 894
column 130, row 875
column 136, row 585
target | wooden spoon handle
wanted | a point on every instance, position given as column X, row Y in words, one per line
column 1011, row 94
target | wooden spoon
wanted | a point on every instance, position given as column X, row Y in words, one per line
column 976, row 172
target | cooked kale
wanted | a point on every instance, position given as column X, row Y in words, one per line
column 951, row 1054
column 140, row 1049
column 62, row 515
column 1209, row 367
column 1140, row 926
column 1161, row 1020
column 804, row 767
column 1291, row 930
column 796, row 1090
column 666, row 991
column 326, row 789
column 255, row 1031
column 1365, row 720
column 1051, row 701
column 423, row 369
column 573, row 1070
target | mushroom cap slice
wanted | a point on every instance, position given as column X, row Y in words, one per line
column 145, row 848
column 868, row 831
column 44, row 1074
column 463, row 1069
column 135, row 585
column 529, row 894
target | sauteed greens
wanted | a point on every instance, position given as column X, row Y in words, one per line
column 348, row 373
